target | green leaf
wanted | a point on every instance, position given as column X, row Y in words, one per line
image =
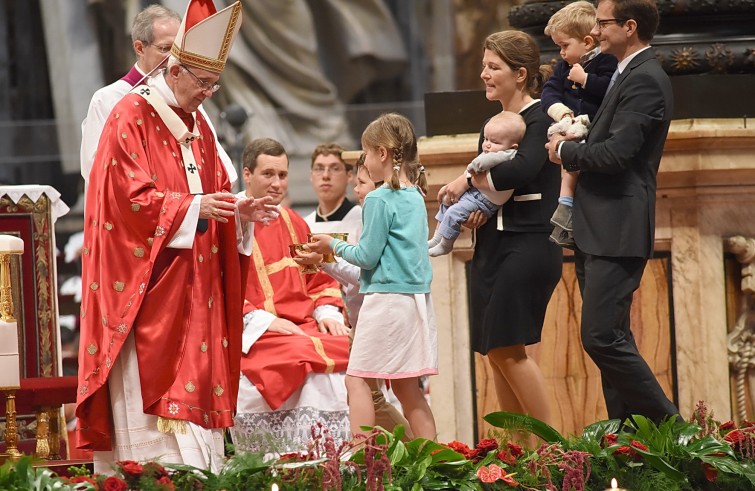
column 660, row 464
column 397, row 453
column 731, row 466
column 514, row 421
column 596, row 431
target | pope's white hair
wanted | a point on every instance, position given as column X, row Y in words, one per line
column 172, row 60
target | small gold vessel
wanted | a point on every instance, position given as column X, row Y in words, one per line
column 307, row 268
column 329, row 257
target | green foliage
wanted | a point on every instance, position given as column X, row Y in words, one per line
column 514, row 421
column 641, row 455
column 23, row 476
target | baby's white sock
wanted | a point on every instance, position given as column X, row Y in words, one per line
column 434, row 241
column 441, row 248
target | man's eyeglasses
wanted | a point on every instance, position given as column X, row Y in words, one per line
column 319, row 170
column 205, row 86
column 603, row 23
column 162, row 49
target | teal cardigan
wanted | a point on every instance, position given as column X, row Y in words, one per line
column 392, row 250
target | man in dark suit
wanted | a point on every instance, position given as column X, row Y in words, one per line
column 614, row 203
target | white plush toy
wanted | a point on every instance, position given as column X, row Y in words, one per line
column 578, row 127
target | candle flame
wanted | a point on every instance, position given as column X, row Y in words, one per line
column 274, row 488
column 614, row 484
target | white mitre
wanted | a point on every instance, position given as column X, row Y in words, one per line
column 205, row 35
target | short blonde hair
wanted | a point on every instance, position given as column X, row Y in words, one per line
column 576, row 20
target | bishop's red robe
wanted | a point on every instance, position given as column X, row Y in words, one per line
column 184, row 306
column 277, row 364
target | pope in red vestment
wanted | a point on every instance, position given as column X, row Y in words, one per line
column 162, row 268
column 183, row 305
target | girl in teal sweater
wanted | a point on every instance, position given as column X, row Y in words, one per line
column 395, row 337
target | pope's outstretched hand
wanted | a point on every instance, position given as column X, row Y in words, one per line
column 257, row 210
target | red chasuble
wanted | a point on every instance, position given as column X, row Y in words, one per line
column 277, row 364
column 184, row 306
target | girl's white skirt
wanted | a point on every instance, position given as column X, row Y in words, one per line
column 395, row 337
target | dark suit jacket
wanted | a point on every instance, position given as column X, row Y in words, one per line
column 614, row 203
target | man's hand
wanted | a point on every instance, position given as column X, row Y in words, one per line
column 284, row 326
column 257, row 210
column 333, row 327
column 320, row 243
column 217, row 206
column 476, row 220
column 449, row 194
column 552, row 147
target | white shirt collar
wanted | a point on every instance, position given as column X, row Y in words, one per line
column 625, row 62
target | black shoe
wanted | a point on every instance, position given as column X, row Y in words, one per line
column 562, row 217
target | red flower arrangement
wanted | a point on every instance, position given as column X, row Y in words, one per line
column 486, row 445
column 629, row 450
column 510, row 454
column 710, row 472
column 492, row 473
column 113, row 483
column 463, row 449
column 80, row 479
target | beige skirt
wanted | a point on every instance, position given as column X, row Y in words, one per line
column 395, row 337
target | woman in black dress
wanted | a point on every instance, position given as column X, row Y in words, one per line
column 515, row 268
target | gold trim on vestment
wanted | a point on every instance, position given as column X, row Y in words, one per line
column 329, row 362
column 327, row 292
column 277, row 266
column 294, row 240
column 267, row 287
column 168, row 425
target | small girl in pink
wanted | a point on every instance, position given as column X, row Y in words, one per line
column 395, row 336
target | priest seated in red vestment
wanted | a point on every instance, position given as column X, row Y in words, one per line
column 295, row 345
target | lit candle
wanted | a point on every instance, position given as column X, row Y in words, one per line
column 615, row 486
column 274, row 488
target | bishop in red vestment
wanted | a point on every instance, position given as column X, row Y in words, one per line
column 164, row 260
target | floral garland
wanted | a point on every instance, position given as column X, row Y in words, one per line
column 671, row 456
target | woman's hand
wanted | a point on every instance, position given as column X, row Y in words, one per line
column 320, row 244
column 450, row 193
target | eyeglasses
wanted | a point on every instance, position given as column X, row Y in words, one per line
column 603, row 23
column 205, row 86
column 162, row 49
column 319, row 170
